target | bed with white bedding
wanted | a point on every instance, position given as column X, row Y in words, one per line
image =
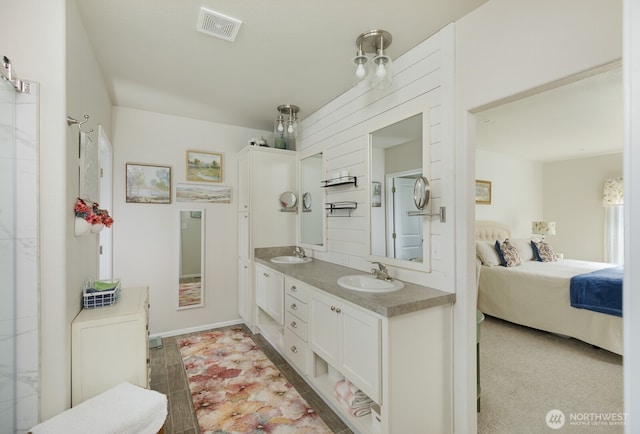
column 537, row 294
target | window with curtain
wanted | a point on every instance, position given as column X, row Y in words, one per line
column 613, row 202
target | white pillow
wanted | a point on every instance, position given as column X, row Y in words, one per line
column 524, row 248
column 486, row 251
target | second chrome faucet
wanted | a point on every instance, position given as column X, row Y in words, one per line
column 381, row 273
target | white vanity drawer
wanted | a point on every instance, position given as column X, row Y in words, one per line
column 295, row 350
column 296, row 325
column 296, row 288
column 296, row 307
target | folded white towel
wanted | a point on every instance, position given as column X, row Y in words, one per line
column 124, row 409
column 357, row 411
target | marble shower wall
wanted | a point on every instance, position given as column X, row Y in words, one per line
column 19, row 256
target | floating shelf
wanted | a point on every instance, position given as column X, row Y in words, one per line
column 343, row 180
column 347, row 207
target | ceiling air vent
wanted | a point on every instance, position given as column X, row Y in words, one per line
column 219, row 25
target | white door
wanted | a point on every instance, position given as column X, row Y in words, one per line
column 323, row 327
column 360, row 350
column 407, row 230
column 105, row 261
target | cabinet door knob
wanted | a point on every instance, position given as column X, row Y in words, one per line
column 333, row 308
column 293, row 288
column 294, row 349
column 338, row 310
column 294, row 324
column 294, row 306
column 265, row 274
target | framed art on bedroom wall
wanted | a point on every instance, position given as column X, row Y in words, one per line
column 147, row 183
column 204, row 166
column 483, row 192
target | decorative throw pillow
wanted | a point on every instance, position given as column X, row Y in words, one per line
column 508, row 253
column 543, row 251
column 487, row 253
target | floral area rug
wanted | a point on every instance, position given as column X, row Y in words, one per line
column 235, row 388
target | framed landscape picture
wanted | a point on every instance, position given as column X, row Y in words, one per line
column 204, row 166
column 483, row 192
column 203, row 193
column 148, row 183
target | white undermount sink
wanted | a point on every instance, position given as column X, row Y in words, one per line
column 369, row 283
column 290, row 260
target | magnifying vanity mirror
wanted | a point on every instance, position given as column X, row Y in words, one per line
column 288, row 200
column 312, row 216
column 397, row 164
column 191, row 258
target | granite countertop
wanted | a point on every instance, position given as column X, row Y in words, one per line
column 324, row 275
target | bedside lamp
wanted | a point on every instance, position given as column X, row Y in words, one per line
column 543, row 228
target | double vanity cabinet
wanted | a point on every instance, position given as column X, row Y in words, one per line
column 395, row 347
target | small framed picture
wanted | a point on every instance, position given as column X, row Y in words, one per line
column 376, row 194
column 204, row 166
column 483, row 192
column 147, row 183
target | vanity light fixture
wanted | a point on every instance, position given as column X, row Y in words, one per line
column 285, row 126
column 379, row 75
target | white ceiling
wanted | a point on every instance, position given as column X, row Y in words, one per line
column 287, row 51
column 581, row 119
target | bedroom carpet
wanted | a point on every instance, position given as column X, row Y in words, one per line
column 236, row 389
column 527, row 373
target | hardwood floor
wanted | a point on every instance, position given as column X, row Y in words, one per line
column 168, row 377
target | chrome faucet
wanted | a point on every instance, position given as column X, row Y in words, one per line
column 381, row 273
column 299, row 252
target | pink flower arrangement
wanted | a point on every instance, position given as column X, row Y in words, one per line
column 92, row 214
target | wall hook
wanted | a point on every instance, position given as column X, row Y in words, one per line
column 73, row 121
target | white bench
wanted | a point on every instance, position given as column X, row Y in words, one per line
column 124, row 409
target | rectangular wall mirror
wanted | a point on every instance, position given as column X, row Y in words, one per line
column 311, row 201
column 191, row 242
column 396, row 161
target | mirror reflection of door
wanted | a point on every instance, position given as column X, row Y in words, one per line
column 396, row 161
column 190, row 280
column 404, row 232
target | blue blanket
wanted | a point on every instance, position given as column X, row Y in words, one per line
column 599, row 291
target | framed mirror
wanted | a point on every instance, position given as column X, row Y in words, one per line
column 312, row 217
column 89, row 169
column 191, row 242
column 396, row 153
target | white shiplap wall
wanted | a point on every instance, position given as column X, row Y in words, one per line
column 422, row 82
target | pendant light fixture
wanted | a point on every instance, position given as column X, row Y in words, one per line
column 379, row 74
column 285, row 126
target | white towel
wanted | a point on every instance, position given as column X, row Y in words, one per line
column 353, row 399
column 124, row 409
